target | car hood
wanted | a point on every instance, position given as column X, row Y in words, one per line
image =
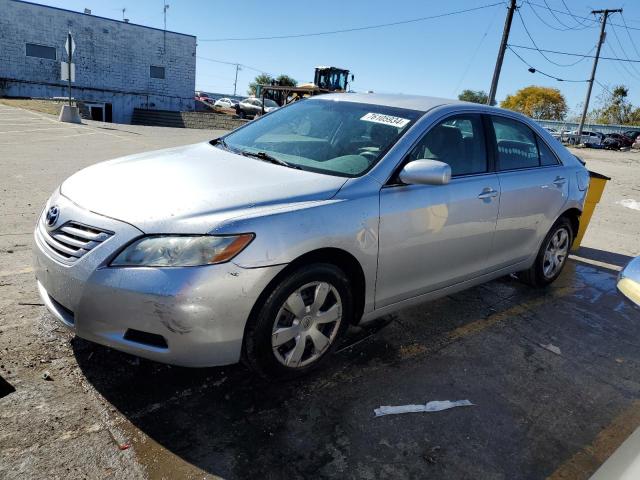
column 191, row 189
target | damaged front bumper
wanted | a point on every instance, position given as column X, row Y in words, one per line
column 188, row 316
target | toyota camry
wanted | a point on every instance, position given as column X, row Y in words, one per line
column 264, row 245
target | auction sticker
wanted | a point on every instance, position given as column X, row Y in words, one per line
column 385, row 119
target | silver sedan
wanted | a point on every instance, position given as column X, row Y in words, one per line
column 267, row 243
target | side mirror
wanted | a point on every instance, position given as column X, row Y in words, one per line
column 629, row 281
column 426, row 172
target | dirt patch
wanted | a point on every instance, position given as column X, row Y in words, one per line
column 52, row 107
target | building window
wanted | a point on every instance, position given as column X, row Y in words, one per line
column 41, row 51
column 156, row 72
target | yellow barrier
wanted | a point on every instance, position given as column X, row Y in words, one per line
column 597, row 181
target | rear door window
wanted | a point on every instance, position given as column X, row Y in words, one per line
column 516, row 142
column 547, row 157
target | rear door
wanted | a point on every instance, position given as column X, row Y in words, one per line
column 534, row 188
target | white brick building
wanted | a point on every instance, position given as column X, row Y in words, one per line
column 118, row 65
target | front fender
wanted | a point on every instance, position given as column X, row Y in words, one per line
column 348, row 222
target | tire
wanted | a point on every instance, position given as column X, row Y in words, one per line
column 544, row 269
column 307, row 336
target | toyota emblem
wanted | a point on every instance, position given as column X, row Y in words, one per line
column 52, row 216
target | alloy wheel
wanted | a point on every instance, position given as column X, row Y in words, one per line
column 306, row 324
column 556, row 253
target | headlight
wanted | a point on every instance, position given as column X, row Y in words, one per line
column 181, row 251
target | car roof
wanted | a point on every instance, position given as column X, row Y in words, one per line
column 413, row 102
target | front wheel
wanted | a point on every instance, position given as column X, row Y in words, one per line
column 299, row 323
column 552, row 255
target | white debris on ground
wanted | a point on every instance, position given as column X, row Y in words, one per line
column 433, row 406
column 552, row 348
column 629, row 203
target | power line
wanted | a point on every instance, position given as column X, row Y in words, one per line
column 582, row 24
column 575, row 16
column 233, row 63
column 629, row 34
column 624, row 54
column 622, row 72
column 541, row 53
column 473, row 56
column 552, row 11
column 353, row 29
column 576, row 54
column 567, row 27
column 535, row 70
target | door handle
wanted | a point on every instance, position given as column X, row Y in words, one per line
column 488, row 192
column 559, row 181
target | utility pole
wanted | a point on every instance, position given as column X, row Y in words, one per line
column 605, row 14
column 235, row 83
column 503, row 47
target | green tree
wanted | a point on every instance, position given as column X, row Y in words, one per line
column 615, row 108
column 475, row 96
column 262, row 79
column 286, row 80
column 266, row 79
column 537, row 102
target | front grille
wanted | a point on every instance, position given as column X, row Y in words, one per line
column 72, row 240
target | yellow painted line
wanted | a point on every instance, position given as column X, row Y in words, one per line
column 587, row 460
column 482, row 324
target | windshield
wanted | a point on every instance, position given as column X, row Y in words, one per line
column 270, row 103
column 338, row 138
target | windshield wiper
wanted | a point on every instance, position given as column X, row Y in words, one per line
column 220, row 141
column 268, row 158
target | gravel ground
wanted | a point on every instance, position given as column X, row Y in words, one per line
column 103, row 414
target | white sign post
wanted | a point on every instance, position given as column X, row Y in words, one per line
column 68, row 113
column 70, row 48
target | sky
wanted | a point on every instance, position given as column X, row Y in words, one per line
column 437, row 57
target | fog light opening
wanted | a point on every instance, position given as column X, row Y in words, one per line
column 146, row 338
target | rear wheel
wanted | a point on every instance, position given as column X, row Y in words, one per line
column 299, row 323
column 552, row 256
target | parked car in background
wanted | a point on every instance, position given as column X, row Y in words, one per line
column 554, row 132
column 267, row 243
column 632, row 134
column 616, row 141
column 588, row 138
column 252, row 107
column 225, row 103
column 204, row 97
